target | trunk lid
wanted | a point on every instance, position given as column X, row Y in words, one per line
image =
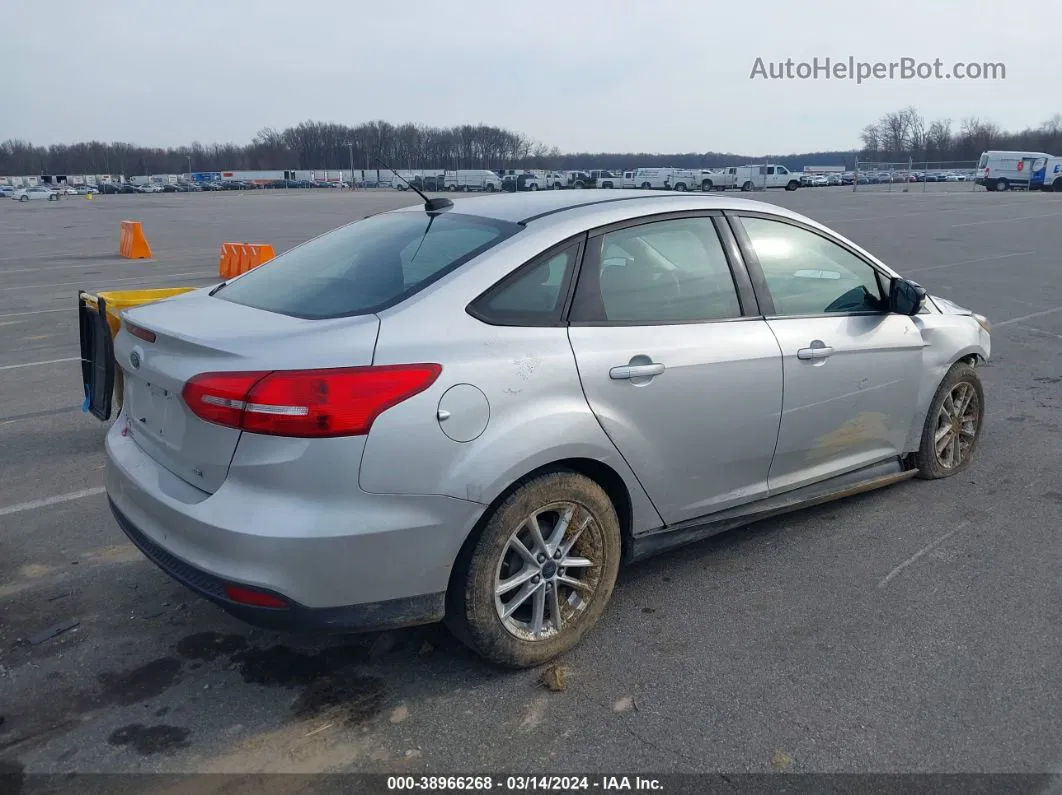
column 196, row 333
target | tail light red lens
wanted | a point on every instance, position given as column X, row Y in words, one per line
column 306, row 403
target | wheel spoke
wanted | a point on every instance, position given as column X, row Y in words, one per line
column 944, row 441
column 948, row 406
column 557, row 536
column 521, row 597
column 575, row 536
column 554, row 605
column 575, row 563
column 538, row 609
column 537, row 540
column 969, row 433
column 574, row 584
column 953, row 451
column 516, row 580
column 941, row 434
column 523, row 551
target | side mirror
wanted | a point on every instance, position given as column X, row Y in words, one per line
column 906, row 297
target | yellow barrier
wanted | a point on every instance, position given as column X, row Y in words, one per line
column 117, row 301
column 132, row 244
column 237, row 258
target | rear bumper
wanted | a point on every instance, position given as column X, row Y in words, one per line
column 351, row 561
column 391, row 614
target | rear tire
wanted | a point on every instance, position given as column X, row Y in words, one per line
column 474, row 608
column 681, row 187
column 706, row 185
column 1002, row 185
column 953, row 425
column 23, row 198
column 746, row 187
column 646, row 186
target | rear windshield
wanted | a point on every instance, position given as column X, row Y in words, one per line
column 367, row 265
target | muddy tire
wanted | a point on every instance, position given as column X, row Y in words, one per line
column 522, row 607
column 953, row 425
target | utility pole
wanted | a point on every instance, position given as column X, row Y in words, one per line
column 189, row 158
column 350, row 146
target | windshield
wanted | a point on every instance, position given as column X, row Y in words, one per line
column 983, row 161
column 366, row 265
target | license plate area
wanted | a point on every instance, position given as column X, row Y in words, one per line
column 154, row 411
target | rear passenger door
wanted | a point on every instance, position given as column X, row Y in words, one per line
column 681, row 372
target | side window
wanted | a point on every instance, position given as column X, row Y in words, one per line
column 810, row 275
column 533, row 296
column 662, row 272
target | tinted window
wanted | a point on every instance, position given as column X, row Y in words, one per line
column 810, row 275
column 365, row 265
column 534, row 295
column 668, row 271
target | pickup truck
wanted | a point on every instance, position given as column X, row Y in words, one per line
column 719, row 178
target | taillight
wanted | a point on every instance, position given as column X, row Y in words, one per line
column 140, row 333
column 306, row 403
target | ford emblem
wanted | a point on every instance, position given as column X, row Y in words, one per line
column 134, row 359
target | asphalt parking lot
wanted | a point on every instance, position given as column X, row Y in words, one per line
column 914, row 629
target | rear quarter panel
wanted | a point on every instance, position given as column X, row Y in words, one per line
column 538, row 414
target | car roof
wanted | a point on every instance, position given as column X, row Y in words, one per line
column 525, row 208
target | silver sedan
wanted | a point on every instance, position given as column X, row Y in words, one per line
column 35, row 193
column 475, row 411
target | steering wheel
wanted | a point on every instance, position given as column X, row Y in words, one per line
column 853, row 300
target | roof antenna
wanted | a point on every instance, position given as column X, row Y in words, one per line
column 431, row 206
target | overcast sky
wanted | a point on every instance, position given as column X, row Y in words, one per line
column 597, row 75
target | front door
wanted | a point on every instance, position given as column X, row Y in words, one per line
column 851, row 369
column 688, row 389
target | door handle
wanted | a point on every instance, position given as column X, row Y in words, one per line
column 635, row 371
column 815, row 352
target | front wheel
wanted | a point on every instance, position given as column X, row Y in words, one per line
column 540, row 574
column 23, row 198
column 793, row 185
column 953, row 425
column 534, row 186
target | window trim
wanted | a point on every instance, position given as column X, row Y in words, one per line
column 759, row 280
column 591, row 255
column 477, row 306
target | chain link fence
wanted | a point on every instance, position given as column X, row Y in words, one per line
column 913, row 176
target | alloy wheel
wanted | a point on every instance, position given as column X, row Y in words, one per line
column 549, row 571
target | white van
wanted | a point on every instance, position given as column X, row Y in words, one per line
column 759, row 177
column 472, row 179
column 653, row 178
column 998, row 170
